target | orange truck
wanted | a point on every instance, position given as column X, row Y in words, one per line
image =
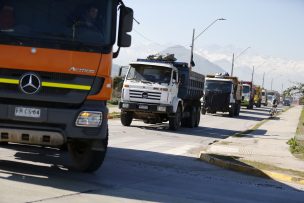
column 55, row 67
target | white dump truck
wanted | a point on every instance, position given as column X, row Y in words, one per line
column 159, row 89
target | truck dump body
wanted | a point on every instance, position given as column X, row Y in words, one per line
column 191, row 84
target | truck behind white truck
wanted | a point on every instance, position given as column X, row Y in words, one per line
column 161, row 90
column 222, row 93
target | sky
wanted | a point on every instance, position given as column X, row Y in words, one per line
column 270, row 27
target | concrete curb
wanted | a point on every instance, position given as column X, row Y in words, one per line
column 249, row 170
column 113, row 116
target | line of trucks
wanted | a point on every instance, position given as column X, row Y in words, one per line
column 159, row 89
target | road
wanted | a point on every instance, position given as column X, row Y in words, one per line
column 144, row 163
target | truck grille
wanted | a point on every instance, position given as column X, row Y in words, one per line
column 11, row 93
column 137, row 94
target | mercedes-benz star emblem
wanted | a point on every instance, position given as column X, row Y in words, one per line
column 145, row 95
column 30, row 83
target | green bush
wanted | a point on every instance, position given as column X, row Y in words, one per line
column 294, row 146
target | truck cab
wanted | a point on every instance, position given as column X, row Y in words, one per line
column 247, row 95
column 264, row 97
column 55, row 71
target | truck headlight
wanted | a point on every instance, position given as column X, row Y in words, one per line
column 89, row 119
column 161, row 108
column 125, row 105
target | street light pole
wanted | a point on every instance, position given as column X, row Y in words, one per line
column 232, row 67
column 271, row 83
column 194, row 38
column 192, row 47
column 234, row 58
column 263, row 80
column 252, row 74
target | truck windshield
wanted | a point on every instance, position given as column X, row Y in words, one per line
column 218, row 86
column 66, row 24
column 148, row 73
column 246, row 89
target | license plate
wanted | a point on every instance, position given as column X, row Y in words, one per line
column 27, row 112
column 144, row 107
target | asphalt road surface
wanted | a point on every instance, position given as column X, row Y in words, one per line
column 144, row 163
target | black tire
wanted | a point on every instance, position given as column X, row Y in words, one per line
column 198, row 116
column 126, row 118
column 193, row 117
column 175, row 122
column 232, row 110
column 86, row 159
column 203, row 111
column 238, row 110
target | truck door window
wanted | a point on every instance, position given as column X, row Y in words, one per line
column 174, row 77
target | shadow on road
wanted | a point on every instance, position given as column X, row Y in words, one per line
column 140, row 175
column 198, row 131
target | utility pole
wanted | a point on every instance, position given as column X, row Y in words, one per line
column 263, row 80
column 271, row 83
column 192, row 64
column 234, row 58
column 232, row 65
column 252, row 74
column 192, row 47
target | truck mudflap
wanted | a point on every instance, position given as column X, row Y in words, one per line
column 55, row 127
column 147, row 108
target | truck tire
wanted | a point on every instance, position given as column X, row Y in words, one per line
column 175, row 122
column 238, row 109
column 198, row 116
column 203, row 111
column 85, row 158
column 232, row 110
column 126, row 118
column 192, row 120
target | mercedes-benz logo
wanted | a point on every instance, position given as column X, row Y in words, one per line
column 30, row 83
column 145, row 95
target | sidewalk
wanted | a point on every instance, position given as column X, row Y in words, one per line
column 266, row 148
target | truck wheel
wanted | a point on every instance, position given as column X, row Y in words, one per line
column 126, row 118
column 238, row 110
column 204, row 111
column 193, row 118
column 198, row 116
column 85, row 158
column 175, row 122
column 232, row 110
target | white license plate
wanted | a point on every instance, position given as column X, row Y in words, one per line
column 144, row 107
column 27, row 112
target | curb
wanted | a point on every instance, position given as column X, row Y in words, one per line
column 249, row 170
column 113, row 116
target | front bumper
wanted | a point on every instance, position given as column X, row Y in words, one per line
column 144, row 107
column 56, row 120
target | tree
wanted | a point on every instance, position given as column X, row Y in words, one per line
column 117, row 86
column 296, row 90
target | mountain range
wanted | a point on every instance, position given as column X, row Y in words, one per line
column 215, row 58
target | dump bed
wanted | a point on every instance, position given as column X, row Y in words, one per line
column 191, row 83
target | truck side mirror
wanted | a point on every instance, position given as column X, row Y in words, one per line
column 125, row 26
